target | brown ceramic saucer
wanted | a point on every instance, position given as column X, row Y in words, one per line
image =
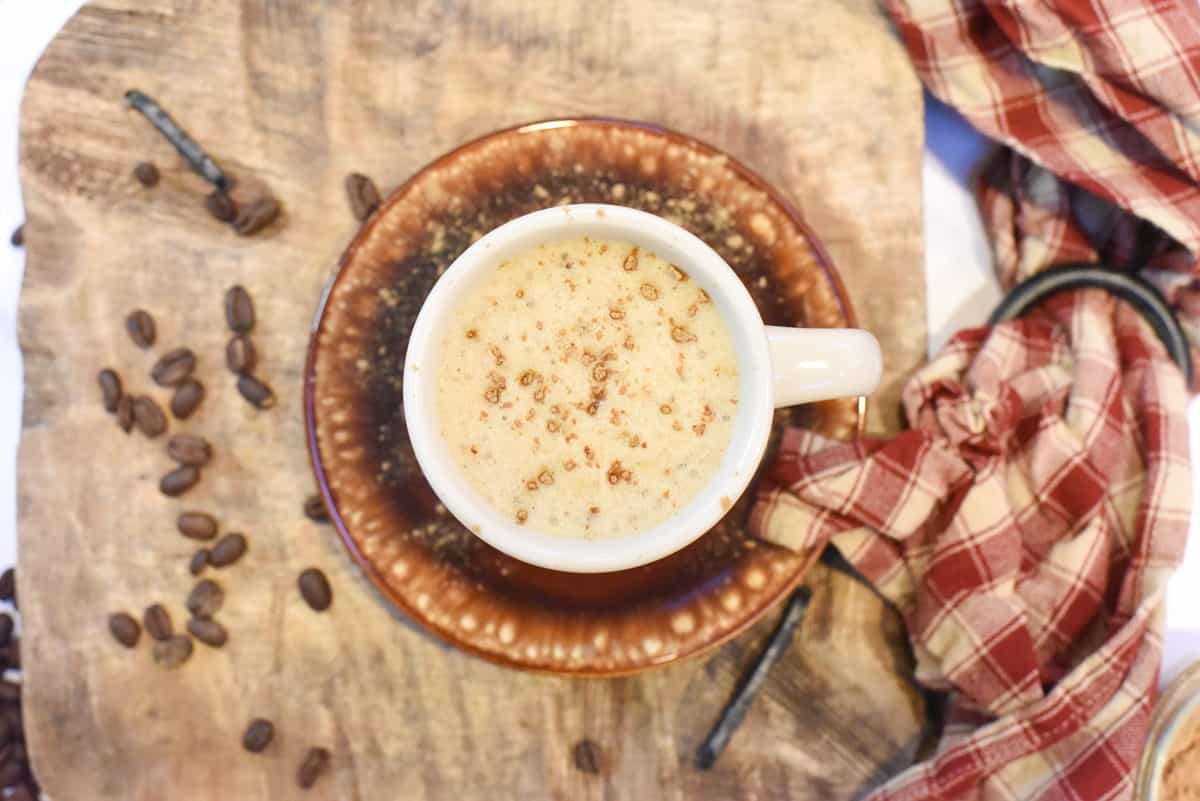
column 420, row 557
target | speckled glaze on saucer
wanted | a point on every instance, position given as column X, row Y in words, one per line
column 420, row 557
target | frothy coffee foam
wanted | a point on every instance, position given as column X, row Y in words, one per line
column 586, row 389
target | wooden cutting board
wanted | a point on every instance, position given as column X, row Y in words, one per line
column 815, row 95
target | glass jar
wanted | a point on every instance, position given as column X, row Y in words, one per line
column 1176, row 719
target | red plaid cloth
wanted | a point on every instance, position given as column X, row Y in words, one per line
column 1098, row 102
column 1025, row 528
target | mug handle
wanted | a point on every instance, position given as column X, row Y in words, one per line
column 812, row 364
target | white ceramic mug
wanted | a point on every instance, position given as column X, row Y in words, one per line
column 776, row 367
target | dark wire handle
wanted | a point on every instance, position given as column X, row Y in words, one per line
column 200, row 161
column 733, row 713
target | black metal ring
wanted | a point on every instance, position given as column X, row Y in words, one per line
column 1137, row 292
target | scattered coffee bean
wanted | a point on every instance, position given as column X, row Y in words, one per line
column 18, row 236
column 149, row 416
column 209, row 632
column 199, row 561
column 315, row 762
column 240, row 355
column 239, row 309
column 187, row 398
column 140, row 326
column 205, row 599
column 124, row 629
column 174, row 652
column 125, row 413
column 9, row 690
column 6, row 628
column 173, row 367
column 189, row 449
column 314, row 509
column 363, row 195
column 255, row 391
column 179, row 480
column 8, row 585
column 256, row 215
column 197, row 525
column 220, row 206
column 228, row 550
column 587, row 756
column 110, row 388
column 314, row 587
column 258, row 735
column 156, row 620
column 146, row 174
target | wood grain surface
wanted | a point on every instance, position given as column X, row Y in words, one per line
column 815, row 95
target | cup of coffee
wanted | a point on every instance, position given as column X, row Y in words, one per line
column 589, row 388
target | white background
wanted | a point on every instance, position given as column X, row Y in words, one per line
column 962, row 287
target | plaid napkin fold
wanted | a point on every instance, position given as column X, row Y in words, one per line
column 1098, row 104
column 1025, row 527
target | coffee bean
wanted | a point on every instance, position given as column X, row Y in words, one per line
column 314, row 509
column 209, row 632
column 149, row 416
column 146, row 174
column 110, row 388
column 258, row 735
column 314, row 587
column 315, row 762
column 6, row 627
column 125, row 413
column 179, row 480
column 8, row 585
column 18, row 236
column 239, row 309
column 9, row 690
column 240, row 355
column 255, row 391
column 362, row 194
column 257, row 215
column 220, row 206
column 140, row 326
column 173, row 367
column 587, row 756
column 174, row 652
column 187, row 398
column 124, row 628
column 189, row 449
column 205, row 599
column 228, row 550
column 197, row 525
column 156, row 620
column 199, row 560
